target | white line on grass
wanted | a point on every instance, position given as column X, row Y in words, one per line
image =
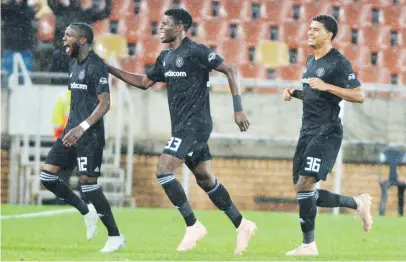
column 41, row 214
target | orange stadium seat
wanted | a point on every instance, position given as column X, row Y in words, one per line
column 101, row 27
column 343, row 38
column 276, row 10
column 233, row 51
column 375, row 36
column 294, row 34
column 314, row 8
column 132, row 64
column 403, row 78
column 86, row 4
column 353, row 14
column 402, row 37
column 134, row 26
column 235, row 9
column 156, row 9
column 121, row 9
column 291, row 72
column 251, row 70
column 214, row 31
column 254, row 32
column 150, row 48
column 199, row 9
column 392, row 15
column 392, row 59
column 46, row 27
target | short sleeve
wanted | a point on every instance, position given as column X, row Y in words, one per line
column 207, row 57
column 101, row 79
column 156, row 72
column 346, row 77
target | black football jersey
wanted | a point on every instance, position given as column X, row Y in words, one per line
column 320, row 107
column 186, row 72
column 87, row 80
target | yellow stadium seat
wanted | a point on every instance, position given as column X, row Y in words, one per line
column 111, row 46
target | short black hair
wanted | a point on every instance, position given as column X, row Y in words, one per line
column 85, row 30
column 180, row 16
column 329, row 23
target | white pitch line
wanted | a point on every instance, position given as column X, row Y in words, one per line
column 41, row 214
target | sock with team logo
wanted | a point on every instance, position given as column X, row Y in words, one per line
column 177, row 196
column 307, row 212
column 222, row 200
column 325, row 198
column 94, row 194
column 62, row 190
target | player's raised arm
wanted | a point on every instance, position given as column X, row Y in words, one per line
column 138, row 80
column 239, row 115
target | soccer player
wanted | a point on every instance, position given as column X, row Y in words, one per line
column 327, row 80
column 82, row 141
column 185, row 69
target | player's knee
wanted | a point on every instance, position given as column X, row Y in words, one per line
column 87, row 180
column 305, row 183
column 206, row 183
column 48, row 178
column 163, row 169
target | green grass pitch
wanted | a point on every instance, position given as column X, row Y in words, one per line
column 153, row 234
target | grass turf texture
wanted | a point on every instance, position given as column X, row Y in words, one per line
column 153, row 234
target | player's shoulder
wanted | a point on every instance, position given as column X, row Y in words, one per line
column 164, row 52
column 338, row 57
column 95, row 62
column 309, row 59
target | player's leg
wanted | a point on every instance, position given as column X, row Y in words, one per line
column 200, row 165
column 171, row 158
column 304, row 184
column 89, row 163
column 325, row 198
column 60, row 157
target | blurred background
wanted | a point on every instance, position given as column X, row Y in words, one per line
column 266, row 41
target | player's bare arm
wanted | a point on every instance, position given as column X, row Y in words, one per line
column 102, row 108
column 288, row 94
column 138, row 80
column 239, row 115
column 352, row 95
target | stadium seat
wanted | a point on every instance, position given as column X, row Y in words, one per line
column 358, row 56
column 134, row 26
column 294, row 34
column 236, row 9
column 101, row 27
column 375, row 37
column 291, row 72
column 392, row 59
column 46, row 27
column 156, row 9
column 86, row 4
column 369, row 74
column 353, row 14
column 403, row 78
column 110, row 46
column 276, row 10
column 392, row 15
column 214, row 30
column 233, row 51
column 254, row 32
column 252, row 70
column 151, row 47
column 314, row 8
column 121, row 9
column 343, row 38
column 199, row 9
column 132, row 64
